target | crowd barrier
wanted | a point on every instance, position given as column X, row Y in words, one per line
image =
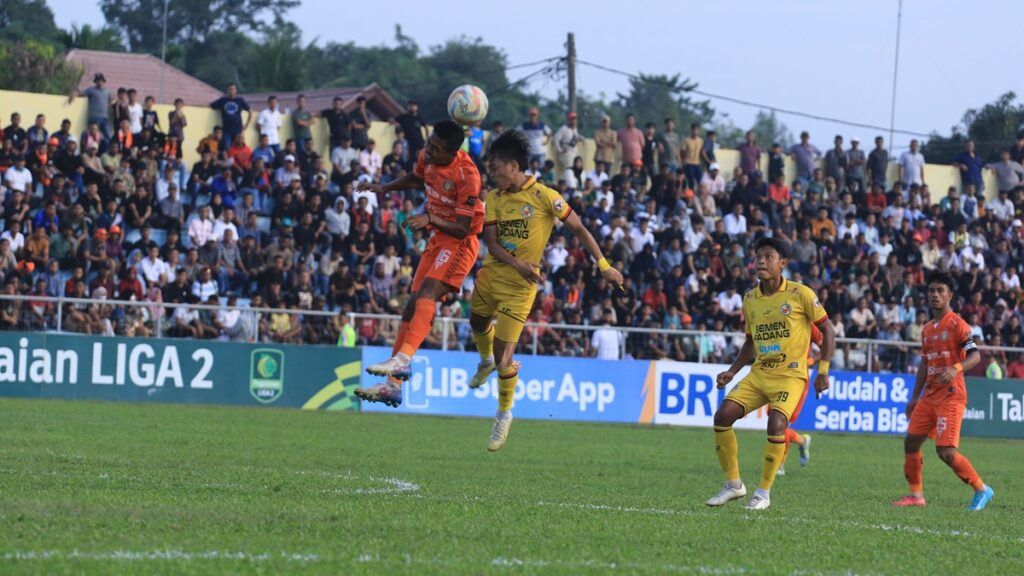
column 40, row 365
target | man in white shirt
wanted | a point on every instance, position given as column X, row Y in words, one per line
column 849, row 227
column 1001, row 207
column 200, row 230
column 134, row 112
column 883, row 248
column 204, row 286
column 154, row 269
column 226, row 222
column 14, row 237
column 269, row 123
column 18, row 177
column 557, row 255
column 735, row 221
column 342, row 157
column 339, row 223
column 606, row 341
column 641, row 236
column 912, row 166
column 598, row 175
column 370, row 160
column 730, row 301
column 566, row 139
column 713, row 180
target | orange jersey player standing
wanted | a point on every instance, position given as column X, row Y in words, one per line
column 947, row 351
column 454, row 215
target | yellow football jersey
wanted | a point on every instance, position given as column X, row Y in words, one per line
column 524, row 221
column 780, row 325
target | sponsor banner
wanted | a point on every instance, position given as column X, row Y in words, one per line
column 39, row 365
column 995, row 408
column 549, row 387
column 685, row 394
column 859, row 402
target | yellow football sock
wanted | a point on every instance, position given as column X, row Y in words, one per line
column 727, row 450
column 485, row 343
column 774, row 454
column 507, row 379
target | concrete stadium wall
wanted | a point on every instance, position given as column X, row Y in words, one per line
column 201, row 121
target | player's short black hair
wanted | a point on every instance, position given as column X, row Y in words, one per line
column 942, row 278
column 512, row 145
column 772, row 243
column 451, row 134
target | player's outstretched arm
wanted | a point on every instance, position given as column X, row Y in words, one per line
column 494, row 248
column 407, row 182
column 574, row 223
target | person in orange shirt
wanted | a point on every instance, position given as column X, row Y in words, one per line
column 947, row 351
column 455, row 215
column 822, row 222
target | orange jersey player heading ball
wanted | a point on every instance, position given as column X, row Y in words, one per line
column 947, row 351
column 454, row 214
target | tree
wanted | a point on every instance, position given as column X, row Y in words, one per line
column 653, row 98
column 770, row 130
column 33, row 66
column 89, row 38
column 729, row 134
column 189, row 22
column 993, row 128
column 27, row 20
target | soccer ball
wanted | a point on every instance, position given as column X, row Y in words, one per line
column 467, row 105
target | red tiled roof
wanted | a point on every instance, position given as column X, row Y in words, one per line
column 382, row 106
column 142, row 72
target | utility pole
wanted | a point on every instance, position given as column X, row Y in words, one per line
column 571, row 70
column 895, row 72
column 163, row 54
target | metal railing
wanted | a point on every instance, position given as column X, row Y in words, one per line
column 449, row 329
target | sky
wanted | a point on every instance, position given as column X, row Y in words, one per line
column 833, row 59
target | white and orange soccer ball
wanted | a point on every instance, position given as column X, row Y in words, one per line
column 467, row 105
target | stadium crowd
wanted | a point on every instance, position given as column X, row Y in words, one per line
column 110, row 211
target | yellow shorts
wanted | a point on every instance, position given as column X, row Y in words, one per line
column 782, row 394
column 511, row 303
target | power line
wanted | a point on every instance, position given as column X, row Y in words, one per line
column 761, row 106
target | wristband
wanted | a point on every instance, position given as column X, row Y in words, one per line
column 959, row 367
column 603, row 264
column 823, row 367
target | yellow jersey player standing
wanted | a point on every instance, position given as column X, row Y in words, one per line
column 520, row 214
column 779, row 315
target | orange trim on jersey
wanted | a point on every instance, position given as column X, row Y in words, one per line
column 567, row 212
column 823, row 318
column 490, row 223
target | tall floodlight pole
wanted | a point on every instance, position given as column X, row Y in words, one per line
column 895, row 72
column 163, row 54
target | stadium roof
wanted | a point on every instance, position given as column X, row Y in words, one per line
column 379, row 102
column 142, row 72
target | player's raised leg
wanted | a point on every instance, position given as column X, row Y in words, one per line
column 508, row 376
column 482, row 310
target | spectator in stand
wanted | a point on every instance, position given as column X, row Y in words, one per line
column 669, row 146
column 269, row 124
column 567, row 138
column 805, row 155
column 606, row 141
column 692, row 149
column 912, row 166
column 100, row 102
column 370, row 160
column 970, row 165
column 302, row 120
column 750, row 155
column 231, row 107
column 360, row 124
column 539, row 134
column 177, row 120
column 414, row 127
column 37, row 134
column 1009, row 177
column 632, row 141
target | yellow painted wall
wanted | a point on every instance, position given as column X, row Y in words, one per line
column 202, row 120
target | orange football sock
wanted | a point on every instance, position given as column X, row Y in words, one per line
column 403, row 328
column 963, row 468
column 793, row 436
column 913, row 464
column 419, row 326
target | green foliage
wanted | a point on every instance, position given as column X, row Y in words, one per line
column 771, row 130
column 33, row 66
column 88, row 38
column 993, row 127
column 27, row 20
column 653, row 98
column 150, row 488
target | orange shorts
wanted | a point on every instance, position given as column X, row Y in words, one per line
column 939, row 421
column 447, row 260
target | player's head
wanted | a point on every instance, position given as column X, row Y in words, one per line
column 444, row 143
column 941, row 287
column 770, row 258
column 509, row 156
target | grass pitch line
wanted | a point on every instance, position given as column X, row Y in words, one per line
column 135, row 556
column 502, row 562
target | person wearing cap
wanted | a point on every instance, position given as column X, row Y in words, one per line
column 567, row 138
column 100, row 101
column 539, row 134
column 713, row 180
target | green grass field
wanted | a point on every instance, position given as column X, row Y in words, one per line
column 115, row 488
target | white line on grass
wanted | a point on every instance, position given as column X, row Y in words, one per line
column 130, row 555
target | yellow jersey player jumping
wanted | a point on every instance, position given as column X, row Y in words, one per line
column 778, row 315
column 519, row 216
